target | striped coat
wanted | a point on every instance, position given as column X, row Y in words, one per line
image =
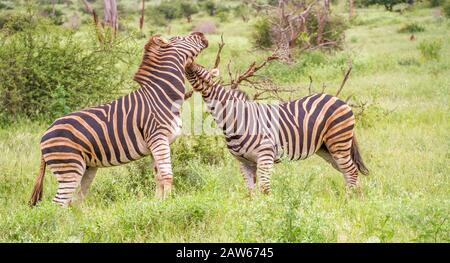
column 143, row 122
column 259, row 134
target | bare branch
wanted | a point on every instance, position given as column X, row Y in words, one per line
column 141, row 20
column 221, row 44
column 310, row 84
column 250, row 71
column 347, row 74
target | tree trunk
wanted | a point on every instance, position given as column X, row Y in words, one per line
column 351, row 9
column 53, row 7
column 110, row 16
column 141, row 20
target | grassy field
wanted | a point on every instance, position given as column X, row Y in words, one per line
column 403, row 135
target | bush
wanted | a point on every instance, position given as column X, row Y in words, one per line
column 388, row 4
column 188, row 9
column 210, row 7
column 169, row 10
column 57, row 18
column 154, row 17
column 435, row 3
column 14, row 21
column 411, row 28
column 5, row 6
column 446, row 9
column 334, row 30
column 430, row 49
column 242, row 11
column 262, row 35
column 46, row 72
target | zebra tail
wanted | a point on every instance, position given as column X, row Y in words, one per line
column 38, row 186
column 357, row 159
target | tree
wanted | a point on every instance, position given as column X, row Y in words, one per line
column 110, row 16
column 188, row 9
column 141, row 19
column 242, row 11
column 388, row 4
column 351, row 9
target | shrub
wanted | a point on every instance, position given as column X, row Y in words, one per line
column 169, row 10
column 47, row 72
column 334, row 29
column 262, row 35
column 210, row 7
column 430, row 49
column 411, row 28
column 14, row 21
column 5, row 6
column 57, row 17
column 155, row 17
column 223, row 16
column 188, row 9
column 446, row 9
column 388, row 4
column 435, row 3
column 242, row 11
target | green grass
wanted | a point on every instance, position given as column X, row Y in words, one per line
column 403, row 135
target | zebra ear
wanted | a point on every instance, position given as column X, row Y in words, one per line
column 157, row 40
column 215, row 72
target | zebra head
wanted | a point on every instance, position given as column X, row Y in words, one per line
column 164, row 61
column 188, row 47
column 199, row 77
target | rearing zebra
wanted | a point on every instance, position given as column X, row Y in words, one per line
column 143, row 122
column 258, row 134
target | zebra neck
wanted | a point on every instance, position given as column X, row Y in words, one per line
column 165, row 105
column 215, row 93
column 164, row 88
column 221, row 103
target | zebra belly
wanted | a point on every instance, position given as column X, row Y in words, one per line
column 97, row 142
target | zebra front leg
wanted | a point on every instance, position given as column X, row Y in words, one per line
column 162, row 164
column 249, row 173
column 264, row 169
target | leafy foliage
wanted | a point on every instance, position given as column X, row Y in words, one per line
column 411, row 28
column 188, row 9
column 46, row 71
column 388, row 4
column 333, row 31
column 262, row 35
column 446, row 9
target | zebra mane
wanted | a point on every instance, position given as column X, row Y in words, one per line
column 239, row 94
column 205, row 77
column 152, row 57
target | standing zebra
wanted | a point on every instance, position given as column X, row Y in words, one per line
column 258, row 134
column 143, row 122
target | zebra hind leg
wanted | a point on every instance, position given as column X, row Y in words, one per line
column 69, row 179
column 347, row 167
column 249, row 173
column 86, row 182
column 325, row 154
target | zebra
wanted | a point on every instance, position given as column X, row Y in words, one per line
column 259, row 134
column 141, row 123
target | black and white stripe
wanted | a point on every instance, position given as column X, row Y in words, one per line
column 259, row 134
column 143, row 122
